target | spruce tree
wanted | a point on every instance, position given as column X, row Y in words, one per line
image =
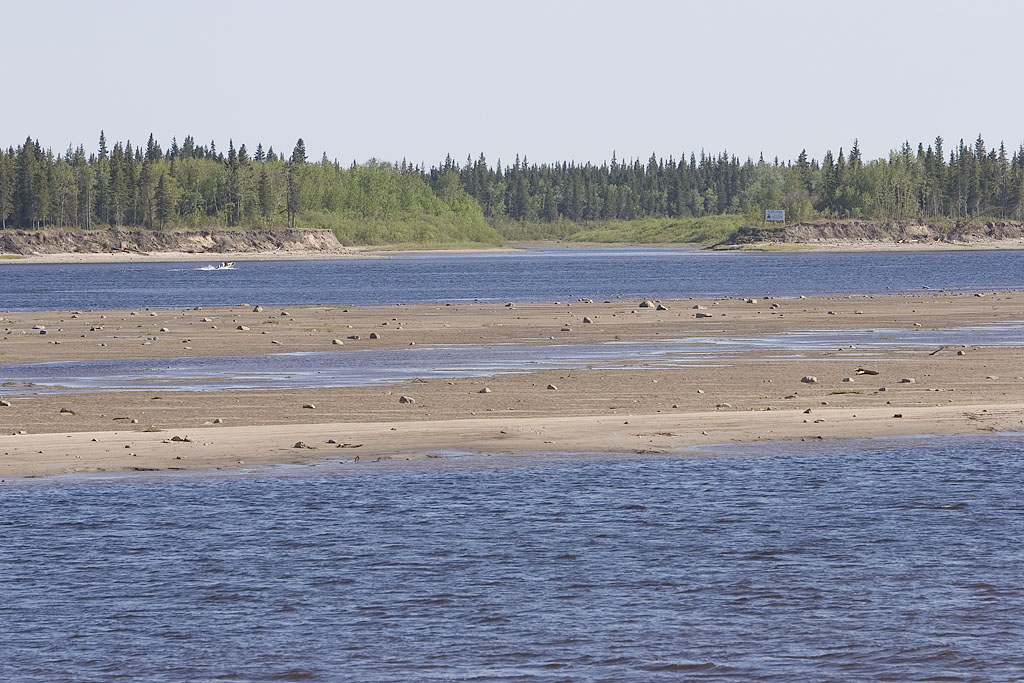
column 299, row 153
column 827, row 191
column 145, row 194
column 6, row 187
column 804, row 171
column 118, row 185
column 153, row 151
column 24, row 190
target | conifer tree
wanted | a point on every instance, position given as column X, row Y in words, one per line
column 26, row 174
column 118, row 185
column 145, row 190
column 804, row 171
column 299, row 153
column 6, row 188
column 829, row 185
column 153, row 151
column 41, row 194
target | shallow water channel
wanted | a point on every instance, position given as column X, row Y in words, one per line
column 369, row 366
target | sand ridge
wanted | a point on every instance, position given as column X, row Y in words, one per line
column 227, row 447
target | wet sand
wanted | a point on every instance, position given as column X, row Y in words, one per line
column 752, row 396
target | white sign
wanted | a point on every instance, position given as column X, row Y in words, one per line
column 775, row 215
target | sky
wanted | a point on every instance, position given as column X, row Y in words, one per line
column 554, row 80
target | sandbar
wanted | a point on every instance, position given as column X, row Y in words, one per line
column 627, row 407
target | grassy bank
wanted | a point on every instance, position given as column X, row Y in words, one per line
column 425, row 231
column 706, row 231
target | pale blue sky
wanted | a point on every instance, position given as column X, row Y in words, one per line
column 552, row 80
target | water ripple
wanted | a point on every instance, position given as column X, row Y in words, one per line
column 856, row 563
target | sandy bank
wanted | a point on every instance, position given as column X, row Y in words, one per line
column 834, row 245
column 183, row 257
column 875, row 234
column 57, row 245
column 346, row 253
column 213, row 447
column 844, row 246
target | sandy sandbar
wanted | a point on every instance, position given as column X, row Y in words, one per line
column 752, row 396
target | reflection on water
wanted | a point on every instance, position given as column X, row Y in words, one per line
column 898, row 561
column 362, row 367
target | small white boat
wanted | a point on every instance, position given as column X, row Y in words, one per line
column 224, row 265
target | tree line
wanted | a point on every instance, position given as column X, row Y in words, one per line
column 921, row 182
column 195, row 185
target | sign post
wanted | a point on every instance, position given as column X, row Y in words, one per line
column 774, row 216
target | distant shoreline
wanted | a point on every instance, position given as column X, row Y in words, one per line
column 837, row 246
column 127, row 245
column 365, row 252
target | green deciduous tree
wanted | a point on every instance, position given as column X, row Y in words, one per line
column 265, row 197
column 168, row 192
column 293, row 198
